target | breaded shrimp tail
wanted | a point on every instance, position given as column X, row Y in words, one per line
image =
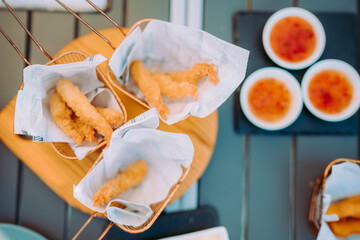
column 151, row 90
column 112, row 116
column 131, row 177
column 173, row 89
column 85, row 129
column 61, row 115
column 82, row 107
column 196, row 73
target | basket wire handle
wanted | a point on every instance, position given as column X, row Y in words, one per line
column 72, row 13
column 106, row 230
column 43, row 51
column 26, row 30
column 95, row 213
column 84, row 225
column 85, row 23
column 87, row 223
column 14, row 46
column 106, row 16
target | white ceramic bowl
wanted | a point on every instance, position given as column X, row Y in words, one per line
column 292, row 85
column 310, row 18
column 353, row 77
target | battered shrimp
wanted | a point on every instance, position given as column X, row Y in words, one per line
column 151, row 90
column 196, row 73
column 348, row 207
column 345, row 227
column 131, row 177
column 112, row 116
column 82, row 107
column 61, row 115
column 173, row 89
column 87, row 131
column 348, row 211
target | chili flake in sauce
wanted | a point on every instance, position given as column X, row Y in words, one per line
column 293, row 39
column 330, row 91
column 269, row 99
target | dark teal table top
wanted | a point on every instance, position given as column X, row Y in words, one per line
column 259, row 185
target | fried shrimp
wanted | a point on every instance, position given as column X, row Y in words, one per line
column 173, row 89
column 348, row 211
column 151, row 90
column 345, row 226
column 82, row 107
column 196, row 73
column 348, row 207
column 61, row 115
column 112, row 116
column 87, row 131
column 131, row 177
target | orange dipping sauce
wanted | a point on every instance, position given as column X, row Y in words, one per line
column 330, row 91
column 293, row 39
column 269, row 99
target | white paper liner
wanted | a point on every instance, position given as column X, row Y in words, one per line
column 32, row 111
column 164, row 153
column 174, row 48
column 343, row 182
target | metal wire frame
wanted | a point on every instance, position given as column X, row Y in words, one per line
column 59, row 148
column 86, row 23
column 72, row 13
column 51, row 59
column 106, row 16
column 87, row 223
column 185, row 171
column 26, row 30
column 14, row 46
column 149, row 222
column 315, row 213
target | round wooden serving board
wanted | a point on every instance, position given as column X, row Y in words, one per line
column 61, row 174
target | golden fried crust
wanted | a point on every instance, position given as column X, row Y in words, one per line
column 151, row 90
column 112, row 116
column 87, row 131
column 61, row 115
column 82, row 107
column 131, row 177
column 348, row 211
column 349, row 207
column 345, row 227
column 173, row 89
column 195, row 74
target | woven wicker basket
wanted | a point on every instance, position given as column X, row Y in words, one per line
column 110, row 75
column 318, row 194
column 157, row 208
column 63, row 149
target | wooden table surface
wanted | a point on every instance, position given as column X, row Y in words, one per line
column 60, row 174
column 260, row 185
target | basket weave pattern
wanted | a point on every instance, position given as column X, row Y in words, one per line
column 318, row 194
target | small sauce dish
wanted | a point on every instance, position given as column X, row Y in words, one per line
column 331, row 90
column 293, row 38
column 271, row 98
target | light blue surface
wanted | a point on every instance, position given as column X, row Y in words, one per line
column 15, row 232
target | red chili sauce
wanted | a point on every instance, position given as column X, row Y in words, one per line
column 269, row 99
column 293, row 39
column 330, row 91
